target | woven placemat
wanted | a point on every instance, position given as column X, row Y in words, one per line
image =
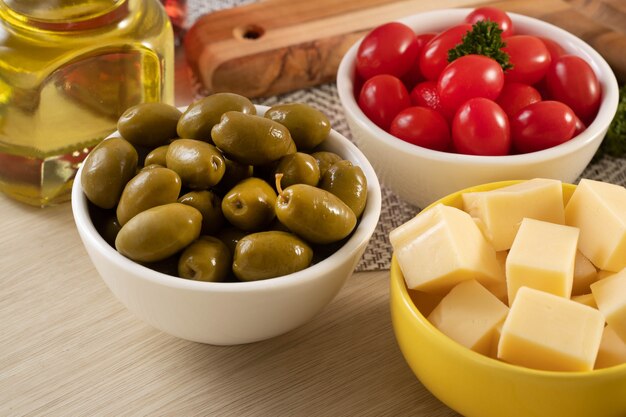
column 395, row 211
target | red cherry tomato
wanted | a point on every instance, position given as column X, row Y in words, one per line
column 530, row 59
column 423, row 127
column 555, row 49
column 515, row 96
column 572, row 81
column 425, row 94
column 382, row 98
column 580, row 127
column 388, row 49
column 467, row 77
column 542, row 125
column 414, row 75
column 434, row 56
column 495, row 15
column 480, row 127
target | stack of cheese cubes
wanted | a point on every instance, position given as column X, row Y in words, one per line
column 519, row 276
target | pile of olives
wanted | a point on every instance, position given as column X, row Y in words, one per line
column 219, row 193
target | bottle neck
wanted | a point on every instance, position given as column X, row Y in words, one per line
column 63, row 15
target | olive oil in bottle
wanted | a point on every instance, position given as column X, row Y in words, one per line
column 68, row 70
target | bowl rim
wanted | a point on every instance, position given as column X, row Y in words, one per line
column 360, row 236
column 606, row 111
column 397, row 280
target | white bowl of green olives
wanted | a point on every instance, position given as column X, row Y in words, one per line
column 217, row 242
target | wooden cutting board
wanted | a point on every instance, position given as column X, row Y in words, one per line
column 276, row 46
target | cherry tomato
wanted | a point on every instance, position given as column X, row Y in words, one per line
column 515, row 96
column 388, row 49
column 572, row 81
column 414, row 75
column 423, row 127
column 542, row 125
column 434, row 56
column 580, row 127
column 382, row 98
column 495, row 15
column 425, row 94
column 480, row 127
column 467, row 77
column 530, row 59
column 555, row 49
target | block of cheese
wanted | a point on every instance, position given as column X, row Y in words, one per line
column 499, row 288
column 542, row 257
column 497, row 332
column 441, row 247
column 586, row 299
column 610, row 295
column 598, row 209
column 612, row 349
column 502, row 210
column 584, row 274
column 469, row 314
column 425, row 301
column 545, row 331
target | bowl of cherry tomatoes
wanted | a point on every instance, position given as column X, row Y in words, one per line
column 448, row 99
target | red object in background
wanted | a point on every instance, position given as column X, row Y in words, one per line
column 177, row 11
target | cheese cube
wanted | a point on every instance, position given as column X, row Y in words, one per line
column 441, row 247
column 469, row 314
column 598, row 209
column 497, row 332
column 584, row 274
column 425, row 301
column 502, row 210
column 610, row 295
column 586, row 299
column 542, row 257
column 612, row 349
column 545, row 331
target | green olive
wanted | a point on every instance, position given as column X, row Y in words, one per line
column 106, row 170
column 168, row 266
column 200, row 117
column 308, row 126
column 159, row 232
column 234, row 173
column 156, row 156
column 149, row 124
column 315, row 215
column 252, row 140
column 210, row 205
column 199, row 164
column 298, row 168
column 149, row 188
column 206, row 259
column 347, row 182
column 249, row 205
column 325, row 159
column 230, row 236
column 105, row 222
column 270, row 254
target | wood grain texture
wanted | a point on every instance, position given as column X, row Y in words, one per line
column 300, row 43
column 69, row 348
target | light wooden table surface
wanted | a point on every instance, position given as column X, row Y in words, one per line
column 69, row 348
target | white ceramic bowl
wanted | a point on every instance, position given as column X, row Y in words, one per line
column 421, row 176
column 236, row 312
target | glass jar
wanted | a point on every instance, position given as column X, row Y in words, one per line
column 68, row 70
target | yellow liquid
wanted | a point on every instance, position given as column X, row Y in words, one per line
column 62, row 90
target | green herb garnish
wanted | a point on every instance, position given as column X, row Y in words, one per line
column 614, row 143
column 485, row 38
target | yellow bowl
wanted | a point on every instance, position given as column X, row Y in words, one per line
column 478, row 386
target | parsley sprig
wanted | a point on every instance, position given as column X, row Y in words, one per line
column 485, row 38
